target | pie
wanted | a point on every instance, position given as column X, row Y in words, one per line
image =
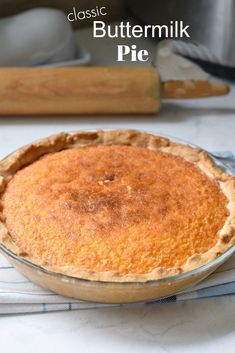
column 119, row 206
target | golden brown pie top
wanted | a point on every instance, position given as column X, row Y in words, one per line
column 113, row 208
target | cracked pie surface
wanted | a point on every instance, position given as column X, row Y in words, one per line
column 115, row 206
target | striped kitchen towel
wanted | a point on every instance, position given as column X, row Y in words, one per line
column 19, row 295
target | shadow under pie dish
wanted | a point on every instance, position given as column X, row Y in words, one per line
column 115, row 216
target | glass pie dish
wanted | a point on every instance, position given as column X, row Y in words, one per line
column 116, row 292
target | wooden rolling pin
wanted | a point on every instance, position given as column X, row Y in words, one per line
column 93, row 90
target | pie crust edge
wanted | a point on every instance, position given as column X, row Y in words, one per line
column 28, row 154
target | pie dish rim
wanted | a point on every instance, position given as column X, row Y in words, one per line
column 168, row 279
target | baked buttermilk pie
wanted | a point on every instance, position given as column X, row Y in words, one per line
column 116, row 206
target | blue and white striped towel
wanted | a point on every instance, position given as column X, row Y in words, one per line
column 18, row 295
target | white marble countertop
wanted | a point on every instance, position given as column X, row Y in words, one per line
column 204, row 325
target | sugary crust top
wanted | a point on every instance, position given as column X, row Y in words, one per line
column 117, row 222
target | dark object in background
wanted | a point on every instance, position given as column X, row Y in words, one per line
column 217, row 70
column 212, row 29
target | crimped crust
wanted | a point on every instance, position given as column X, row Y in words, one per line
column 28, row 154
